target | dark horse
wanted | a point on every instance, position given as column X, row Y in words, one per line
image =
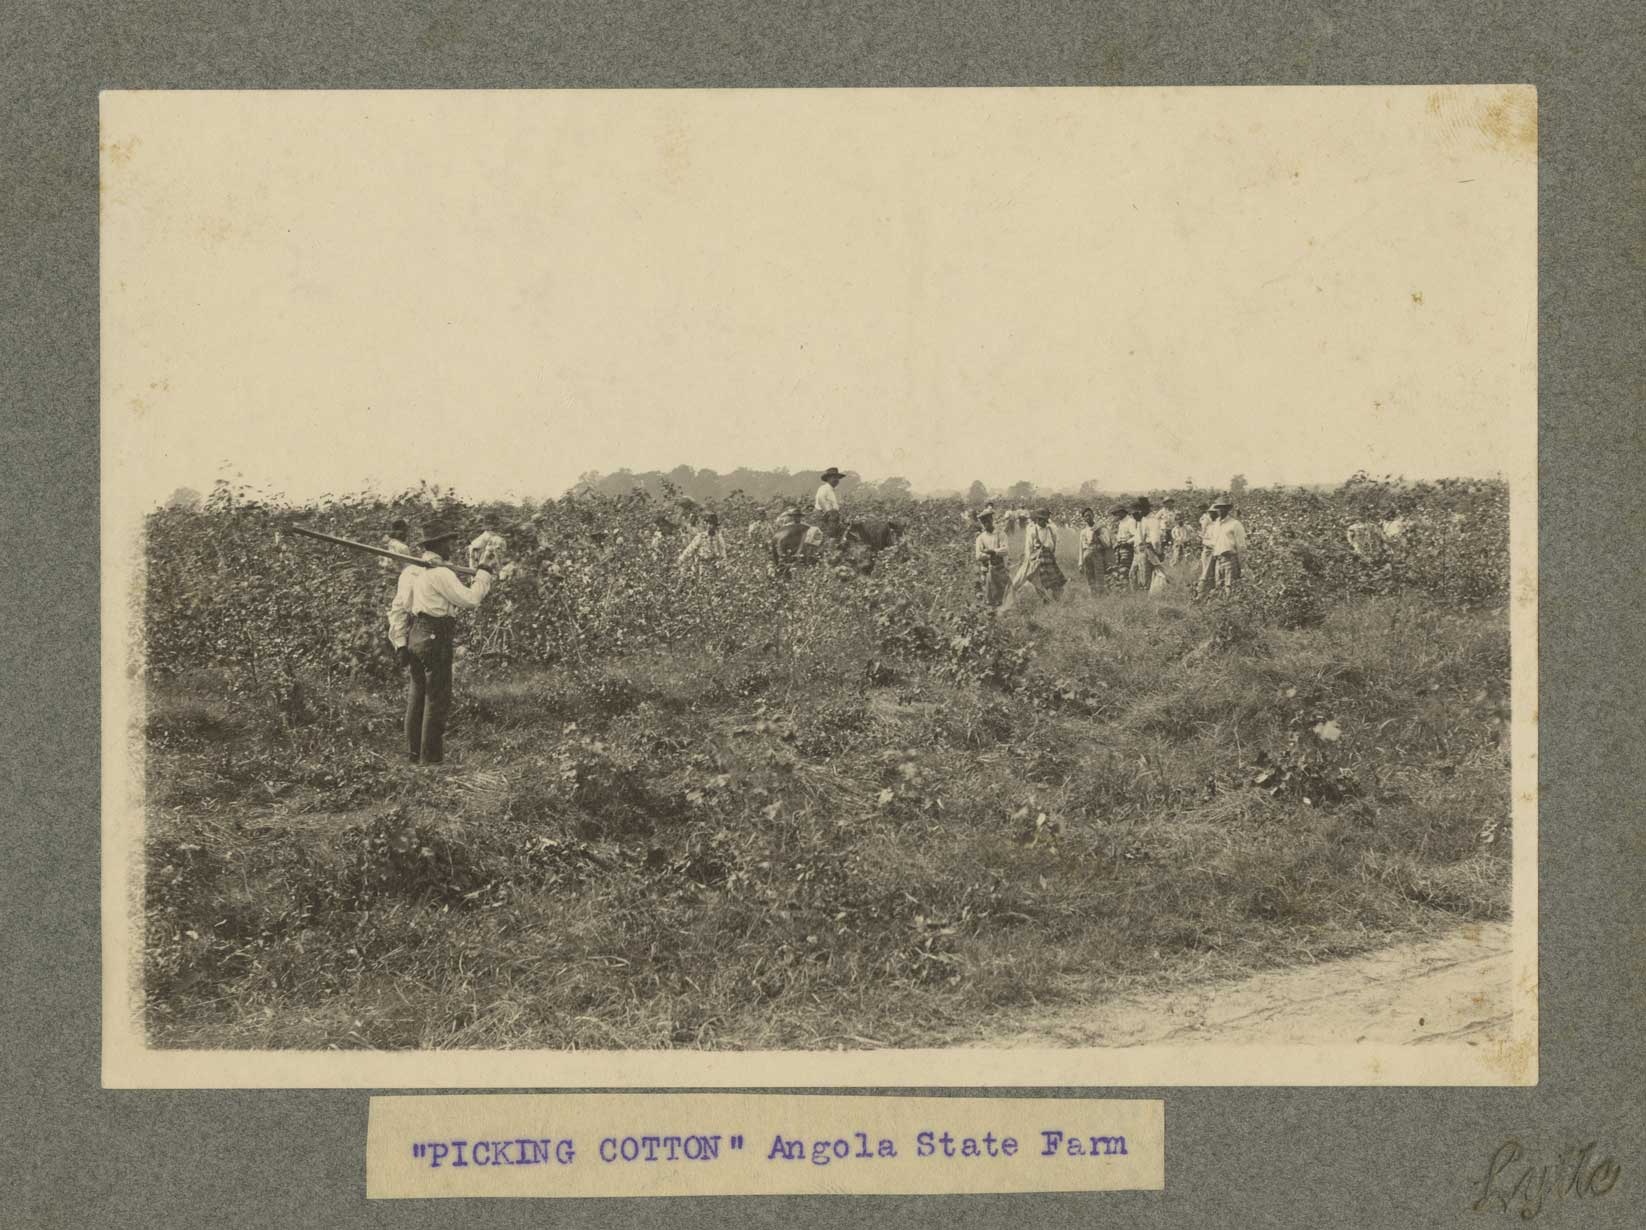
column 865, row 538
column 857, row 543
column 795, row 542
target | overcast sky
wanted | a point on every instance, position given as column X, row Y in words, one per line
column 500, row 291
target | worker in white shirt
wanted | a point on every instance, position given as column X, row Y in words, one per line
column 792, row 541
column 707, row 548
column 1363, row 540
column 1040, row 567
column 1175, row 537
column 422, row 621
column 1226, row 542
column 1094, row 550
column 1206, row 520
column 489, row 546
column 395, row 540
column 827, row 504
column 1151, row 545
column 1127, row 533
column 989, row 556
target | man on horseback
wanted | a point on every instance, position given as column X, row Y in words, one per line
column 827, row 505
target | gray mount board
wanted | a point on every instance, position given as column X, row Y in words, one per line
column 1282, row 1157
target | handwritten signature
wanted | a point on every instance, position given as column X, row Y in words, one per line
column 1514, row 1179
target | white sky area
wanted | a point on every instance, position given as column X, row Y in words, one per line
column 500, row 291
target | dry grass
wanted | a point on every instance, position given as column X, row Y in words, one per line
column 758, row 850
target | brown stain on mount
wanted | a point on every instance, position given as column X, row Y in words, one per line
column 1505, row 121
column 1510, row 123
column 120, row 152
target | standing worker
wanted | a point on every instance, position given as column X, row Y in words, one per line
column 1127, row 534
column 490, row 545
column 1040, row 567
column 1151, row 541
column 1120, row 557
column 1174, row 530
column 422, row 621
column 989, row 555
column 827, row 504
column 1206, row 520
column 1363, row 540
column 1225, row 549
column 395, row 540
column 1094, row 550
column 707, row 549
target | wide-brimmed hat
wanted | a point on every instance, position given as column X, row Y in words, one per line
column 1119, row 510
column 831, row 472
column 437, row 532
column 1039, row 513
column 984, row 514
column 1141, row 504
column 1216, row 504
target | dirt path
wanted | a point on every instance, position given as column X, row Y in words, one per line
column 1446, row 990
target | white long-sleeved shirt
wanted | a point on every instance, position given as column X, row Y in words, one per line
column 1092, row 538
column 1039, row 541
column 705, row 547
column 1226, row 535
column 432, row 591
column 987, row 542
column 399, row 548
column 1362, row 539
column 489, row 543
column 1128, row 531
column 827, row 500
column 1151, row 530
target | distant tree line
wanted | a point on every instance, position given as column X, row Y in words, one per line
column 710, row 487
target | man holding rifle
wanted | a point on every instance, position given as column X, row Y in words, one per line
column 422, row 620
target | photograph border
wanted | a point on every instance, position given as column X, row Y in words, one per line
column 1508, row 1059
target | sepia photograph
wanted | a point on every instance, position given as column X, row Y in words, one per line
column 1025, row 586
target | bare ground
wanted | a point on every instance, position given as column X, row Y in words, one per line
column 1451, row 989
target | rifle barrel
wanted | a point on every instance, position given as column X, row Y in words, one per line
column 383, row 551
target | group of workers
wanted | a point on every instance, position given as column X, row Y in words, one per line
column 1133, row 545
column 706, row 548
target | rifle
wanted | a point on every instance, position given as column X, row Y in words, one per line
column 459, row 569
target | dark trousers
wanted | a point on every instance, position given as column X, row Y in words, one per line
column 1093, row 568
column 429, row 699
